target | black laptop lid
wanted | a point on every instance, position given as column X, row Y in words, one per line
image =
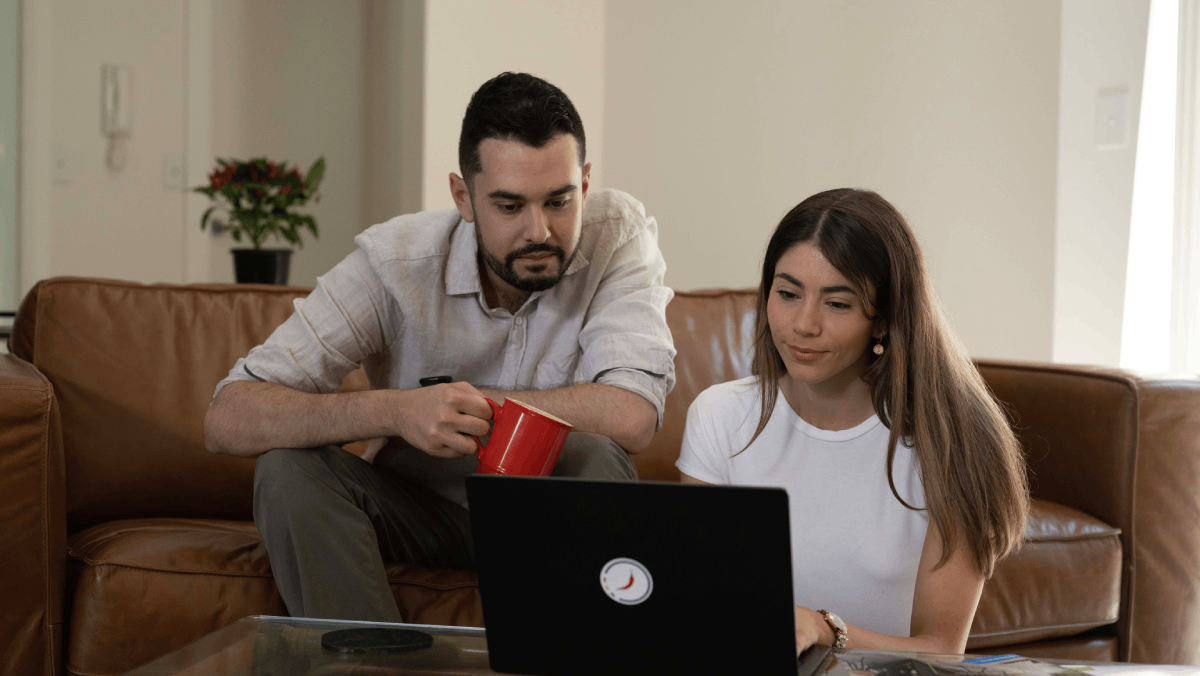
column 589, row 577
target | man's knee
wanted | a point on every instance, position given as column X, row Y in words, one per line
column 594, row 456
column 283, row 466
column 285, row 478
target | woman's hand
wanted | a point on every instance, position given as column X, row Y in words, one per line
column 811, row 629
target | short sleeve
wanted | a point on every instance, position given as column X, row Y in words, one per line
column 700, row 457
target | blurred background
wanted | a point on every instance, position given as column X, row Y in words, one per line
column 1043, row 150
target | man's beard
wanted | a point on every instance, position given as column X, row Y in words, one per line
column 504, row 268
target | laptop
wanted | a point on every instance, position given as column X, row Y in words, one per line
column 591, row 577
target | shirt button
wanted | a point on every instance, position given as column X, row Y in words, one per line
column 519, row 320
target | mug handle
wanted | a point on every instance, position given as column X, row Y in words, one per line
column 496, row 408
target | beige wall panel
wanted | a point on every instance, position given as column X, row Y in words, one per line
column 1103, row 49
column 721, row 119
column 122, row 223
column 467, row 43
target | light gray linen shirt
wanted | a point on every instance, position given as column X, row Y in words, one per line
column 408, row 304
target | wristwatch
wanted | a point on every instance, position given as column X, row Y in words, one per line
column 840, row 633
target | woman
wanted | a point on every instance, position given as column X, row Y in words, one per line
column 905, row 483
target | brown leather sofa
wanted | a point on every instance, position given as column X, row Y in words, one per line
column 124, row 539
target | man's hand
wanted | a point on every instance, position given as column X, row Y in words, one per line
column 438, row 419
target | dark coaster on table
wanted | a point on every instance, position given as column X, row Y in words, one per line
column 375, row 640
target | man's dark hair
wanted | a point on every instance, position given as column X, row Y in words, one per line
column 515, row 107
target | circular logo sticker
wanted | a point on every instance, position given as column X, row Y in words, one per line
column 626, row 581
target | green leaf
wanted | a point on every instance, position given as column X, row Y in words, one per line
column 237, row 234
column 207, row 213
column 316, row 173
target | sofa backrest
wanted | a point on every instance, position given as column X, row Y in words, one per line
column 133, row 369
column 713, row 333
column 134, row 366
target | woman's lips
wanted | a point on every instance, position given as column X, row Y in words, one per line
column 803, row 355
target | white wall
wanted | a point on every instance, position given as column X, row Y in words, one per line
column 722, row 118
column 1103, row 48
column 394, row 99
column 467, row 43
column 10, row 33
column 80, row 217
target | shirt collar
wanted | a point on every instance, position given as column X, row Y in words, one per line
column 462, row 267
column 462, row 270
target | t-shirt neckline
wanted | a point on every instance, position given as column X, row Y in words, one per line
column 824, row 435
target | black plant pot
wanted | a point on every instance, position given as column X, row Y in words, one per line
column 261, row 266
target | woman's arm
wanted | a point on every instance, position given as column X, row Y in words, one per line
column 944, row 604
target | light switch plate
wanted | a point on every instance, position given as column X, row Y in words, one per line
column 173, row 174
column 1110, row 119
column 60, row 166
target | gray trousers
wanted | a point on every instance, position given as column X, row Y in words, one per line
column 330, row 520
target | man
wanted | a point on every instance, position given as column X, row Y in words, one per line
column 532, row 289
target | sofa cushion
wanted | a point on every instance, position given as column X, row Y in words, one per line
column 144, row 587
column 1065, row 579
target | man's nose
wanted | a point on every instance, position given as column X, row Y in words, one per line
column 537, row 226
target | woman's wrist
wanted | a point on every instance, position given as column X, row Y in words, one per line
column 836, row 628
column 825, row 635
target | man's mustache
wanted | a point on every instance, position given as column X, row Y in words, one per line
column 529, row 249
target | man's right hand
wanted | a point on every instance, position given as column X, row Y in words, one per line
column 439, row 418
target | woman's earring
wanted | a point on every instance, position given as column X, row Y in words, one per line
column 878, row 349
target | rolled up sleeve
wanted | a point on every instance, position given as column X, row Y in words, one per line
column 625, row 340
column 346, row 318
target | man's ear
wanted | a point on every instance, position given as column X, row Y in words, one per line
column 462, row 197
column 585, row 179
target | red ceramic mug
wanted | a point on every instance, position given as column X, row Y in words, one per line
column 525, row 441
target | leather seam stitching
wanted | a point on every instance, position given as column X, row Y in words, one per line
column 108, row 564
column 1073, row 538
column 101, row 564
column 1030, row 630
column 77, row 672
column 44, row 467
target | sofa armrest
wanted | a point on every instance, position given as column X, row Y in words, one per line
column 33, row 511
column 1125, row 448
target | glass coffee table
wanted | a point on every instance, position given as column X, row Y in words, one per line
column 291, row 646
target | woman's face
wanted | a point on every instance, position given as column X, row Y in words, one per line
column 819, row 327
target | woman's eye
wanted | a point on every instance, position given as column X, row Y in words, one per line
column 786, row 295
column 839, row 305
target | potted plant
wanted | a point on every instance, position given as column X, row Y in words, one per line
column 259, row 198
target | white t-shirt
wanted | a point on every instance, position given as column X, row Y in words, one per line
column 855, row 548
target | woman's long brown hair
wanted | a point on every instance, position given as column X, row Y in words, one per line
column 924, row 387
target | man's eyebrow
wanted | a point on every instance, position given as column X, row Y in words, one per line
column 506, row 195
column 824, row 289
